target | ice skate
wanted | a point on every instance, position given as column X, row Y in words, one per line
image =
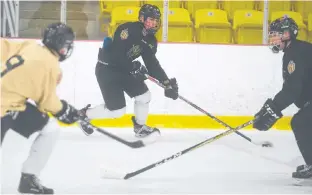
column 303, row 172
column 300, row 167
column 30, row 184
column 149, row 134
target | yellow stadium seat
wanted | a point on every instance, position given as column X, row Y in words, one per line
column 304, row 8
column 248, row 27
column 108, row 6
column 193, row 6
column 310, row 26
column 121, row 15
column 212, row 26
column 160, row 3
column 232, row 6
column 275, row 6
column 302, row 34
column 180, row 26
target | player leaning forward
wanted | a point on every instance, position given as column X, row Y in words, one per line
column 31, row 71
column 117, row 72
column 297, row 89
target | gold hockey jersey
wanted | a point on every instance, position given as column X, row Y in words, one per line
column 28, row 71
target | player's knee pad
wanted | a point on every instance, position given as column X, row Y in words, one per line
column 145, row 98
column 117, row 113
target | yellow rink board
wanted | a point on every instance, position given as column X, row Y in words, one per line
column 187, row 122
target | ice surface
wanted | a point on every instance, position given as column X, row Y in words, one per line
column 228, row 165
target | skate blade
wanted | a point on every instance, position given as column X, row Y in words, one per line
column 26, row 193
column 302, row 182
column 150, row 139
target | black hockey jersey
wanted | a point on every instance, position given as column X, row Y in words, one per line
column 297, row 75
column 130, row 42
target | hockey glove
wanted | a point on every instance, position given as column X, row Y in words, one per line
column 139, row 70
column 171, row 88
column 84, row 123
column 267, row 116
column 68, row 114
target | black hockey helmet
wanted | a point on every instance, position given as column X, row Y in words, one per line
column 282, row 30
column 59, row 38
column 152, row 12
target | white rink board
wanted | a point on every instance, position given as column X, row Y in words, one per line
column 224, row 79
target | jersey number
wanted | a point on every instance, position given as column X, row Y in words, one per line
column 14, row 62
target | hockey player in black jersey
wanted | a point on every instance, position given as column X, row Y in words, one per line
column 297, row 89
column 117, row 71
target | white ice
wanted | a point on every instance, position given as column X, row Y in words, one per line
column 228, row 165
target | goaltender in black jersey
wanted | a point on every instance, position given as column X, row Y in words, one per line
column 297, row 89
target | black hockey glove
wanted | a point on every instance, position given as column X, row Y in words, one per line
column 139, row 71
column 171, row 88
column 267, row 116
column 68, row 114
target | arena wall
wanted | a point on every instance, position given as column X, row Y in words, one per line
column 229, row 81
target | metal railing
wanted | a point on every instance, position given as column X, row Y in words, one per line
column 9, row 18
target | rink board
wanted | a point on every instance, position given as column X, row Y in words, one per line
column 230, row 82
column 188, row 122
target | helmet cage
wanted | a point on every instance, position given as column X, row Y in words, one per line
column 276, row 39
column 150, row 13
column 59, row 38
column 149, row 26
column 281, row 30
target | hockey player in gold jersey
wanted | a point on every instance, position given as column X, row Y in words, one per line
column 34, row 75
column 30, row 71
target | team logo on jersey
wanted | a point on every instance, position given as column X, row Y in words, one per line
column 151, row 46
column 124, row 34
column 291, row 67
column 134, row 51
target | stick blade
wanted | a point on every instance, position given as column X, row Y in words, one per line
column 137, row 144
column 112, row 174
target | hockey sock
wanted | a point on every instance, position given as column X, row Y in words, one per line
column 141, row 107
column 42, row 148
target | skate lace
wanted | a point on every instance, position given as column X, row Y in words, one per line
column 144, row 128
column 37, row 182
column 307, row 168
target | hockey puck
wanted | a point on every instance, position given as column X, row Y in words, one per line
column 267, row 145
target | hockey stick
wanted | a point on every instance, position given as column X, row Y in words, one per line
column 263, row 144
column 134, row 144
column 174, row 156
